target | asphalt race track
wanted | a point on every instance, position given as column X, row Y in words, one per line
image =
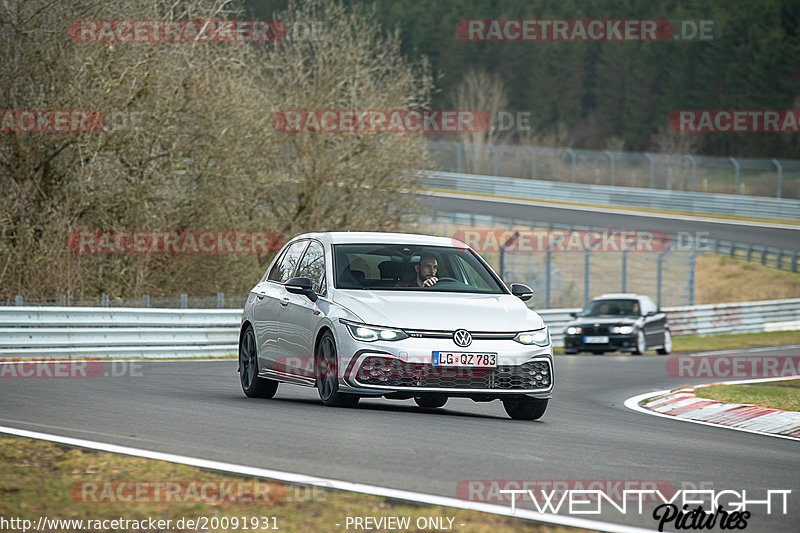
column 777, row 236
column 196, row 408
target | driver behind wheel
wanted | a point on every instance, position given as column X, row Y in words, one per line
column 426, row 273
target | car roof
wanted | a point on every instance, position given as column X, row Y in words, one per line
column 356, row 237
column 618, row 295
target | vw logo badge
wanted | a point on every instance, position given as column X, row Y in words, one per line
column 462, row 338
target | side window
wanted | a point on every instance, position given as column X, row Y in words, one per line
column 312, row 266
column 284, row 268
column 648, row 306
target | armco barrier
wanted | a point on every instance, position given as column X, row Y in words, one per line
column 117, row 332
column 693, row 202
column 161, row 333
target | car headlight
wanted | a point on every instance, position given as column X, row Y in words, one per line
column 539, row 337
column 622, row 330
column 574, row 330
column 363, row 332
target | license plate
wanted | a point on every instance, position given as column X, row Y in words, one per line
column 468, row 359
column 596, row 340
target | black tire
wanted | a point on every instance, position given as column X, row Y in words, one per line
column 431, row 402
column 525, row 407
column 326, row 364
column 252, row 385
column 641, row 344
column 667, row 347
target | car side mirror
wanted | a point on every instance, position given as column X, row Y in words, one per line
column 573, row 315
column 301, row 286
column 650, row 313
column 521, row 291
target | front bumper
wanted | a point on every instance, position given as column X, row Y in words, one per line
column 405, row 368
column 624, row 343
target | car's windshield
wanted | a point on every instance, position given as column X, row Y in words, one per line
column 608, row 307
column 405, row 267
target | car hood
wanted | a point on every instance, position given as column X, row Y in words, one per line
column 440, row 311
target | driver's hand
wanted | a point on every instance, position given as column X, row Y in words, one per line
column 430, row 282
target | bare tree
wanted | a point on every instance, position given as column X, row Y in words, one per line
column 188, row 142
column 480, row 90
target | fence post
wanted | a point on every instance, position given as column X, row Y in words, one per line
column 613, row 170
column 693, row 161
column 458, row 156
column 533, row 162
column 652, row 160
column 736, row 167
column 586, row 278
column 146, row 301
column 184, row 300
column 104, row 300
column 547, row 278
column 690, row 280
column 780, row 175
column 494, row 159
column 625, row 271
column 62, row 300
column 18, row 300
column 658, row 273
column 571, row 153
column 220, row 300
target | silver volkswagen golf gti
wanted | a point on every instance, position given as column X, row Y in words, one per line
column 397, row 316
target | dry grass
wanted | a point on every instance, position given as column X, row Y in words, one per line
column 721, row 279
column 36, row 476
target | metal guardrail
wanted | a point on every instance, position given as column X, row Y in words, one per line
column 707, row 319
column 118, row 332
column 167, row 333
column 693, row 202
column 686, row 172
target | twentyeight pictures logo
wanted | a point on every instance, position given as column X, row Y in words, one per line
column 380, row 121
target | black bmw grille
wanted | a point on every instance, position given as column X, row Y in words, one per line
column 595, row 330
column 396, row 373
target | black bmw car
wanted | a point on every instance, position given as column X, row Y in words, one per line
column 619, row 322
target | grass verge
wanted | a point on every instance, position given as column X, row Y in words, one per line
column 696, row 343
column 42, row 479
column 775, row 394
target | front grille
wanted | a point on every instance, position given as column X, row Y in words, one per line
column 592, row 330
column 396, row 373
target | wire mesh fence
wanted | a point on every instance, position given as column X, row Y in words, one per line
column 753, row 177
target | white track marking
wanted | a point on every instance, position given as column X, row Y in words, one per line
column 289, row 477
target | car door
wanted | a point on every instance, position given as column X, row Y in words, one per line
column 298, row 317
column 654, row 322
column 266, row 309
